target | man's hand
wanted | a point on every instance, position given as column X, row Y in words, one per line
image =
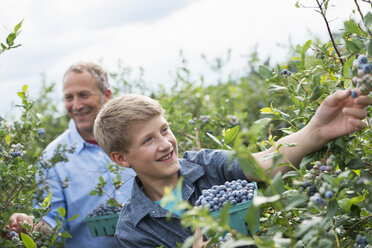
column 339, row 115
column 16, row 220
column 199, row 242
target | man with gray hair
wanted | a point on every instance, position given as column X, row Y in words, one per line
column 86, row 89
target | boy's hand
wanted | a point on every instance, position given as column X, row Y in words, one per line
column 339, row 115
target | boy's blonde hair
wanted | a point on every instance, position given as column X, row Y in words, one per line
column 112, row 124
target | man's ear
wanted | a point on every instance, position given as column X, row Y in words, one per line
column 120, row 159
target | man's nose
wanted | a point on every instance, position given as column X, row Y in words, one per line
column 77, row 103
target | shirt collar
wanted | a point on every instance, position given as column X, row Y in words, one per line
column 190, row 171
column 79, row 142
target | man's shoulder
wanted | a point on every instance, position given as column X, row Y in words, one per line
column 63, row 139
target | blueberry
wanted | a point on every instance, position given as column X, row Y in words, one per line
column 362, row 59
column 284, row 72
column 40, row 131
column 353, row 94
column 328, row 194
column 305, row 184
column 312, row 188
column 12, row 234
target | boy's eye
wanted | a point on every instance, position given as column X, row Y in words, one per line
column 147, row 140
column 164, row 130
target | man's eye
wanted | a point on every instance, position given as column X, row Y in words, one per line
column 84, row 95
column 68, row 98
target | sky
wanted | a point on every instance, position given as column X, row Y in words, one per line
column 150, row 34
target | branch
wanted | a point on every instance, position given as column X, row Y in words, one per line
column 352, row 227
column 361, row 15
column 322, row 12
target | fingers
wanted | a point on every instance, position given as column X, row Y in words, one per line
column 338, row 96
column 357, row 124
column 357, row 113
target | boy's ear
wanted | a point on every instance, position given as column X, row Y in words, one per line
column 120, row 159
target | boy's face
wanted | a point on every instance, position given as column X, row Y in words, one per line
column 153, row 153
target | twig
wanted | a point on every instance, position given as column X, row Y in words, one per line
column 352, row 227
column 197, row 139
column 361, row 15
column 302, row 87
column 329, row 31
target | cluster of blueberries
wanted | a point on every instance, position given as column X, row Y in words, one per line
column 318, row 189
column 104, row 209
column 235, row 192
column 361, row 241
column 364, row 79
column 285, row 73
column 17, row 150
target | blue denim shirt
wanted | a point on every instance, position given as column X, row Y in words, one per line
column 143, row 223
column 85, row 166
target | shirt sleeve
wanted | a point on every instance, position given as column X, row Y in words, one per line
column 53, row 181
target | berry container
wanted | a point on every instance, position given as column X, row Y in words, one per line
column 237, row 214
column 104, row 225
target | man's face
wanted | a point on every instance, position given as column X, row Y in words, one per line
column 83, row 100
column 153, row 153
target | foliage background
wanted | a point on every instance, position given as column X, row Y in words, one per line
column 266, row 105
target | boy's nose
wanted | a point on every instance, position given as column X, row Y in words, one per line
column 165, row 144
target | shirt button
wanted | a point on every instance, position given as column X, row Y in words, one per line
column 153, row 211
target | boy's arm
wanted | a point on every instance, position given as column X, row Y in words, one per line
column 338, row 115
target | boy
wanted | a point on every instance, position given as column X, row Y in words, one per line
column 132, row 130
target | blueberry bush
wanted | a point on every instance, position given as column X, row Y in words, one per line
column 326, row 202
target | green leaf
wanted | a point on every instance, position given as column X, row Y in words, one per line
column 62, row 212
column 346, row 70
column 66, row 235
column 290, row 174
column 316, row 93
column 73, row 217
column 10, row 39
column 25, row 88
column 275, row 88
column 368, row 19
column 231, row 134
column 251, row 218
column 355, row 163
column 354, row 201
column 17, row 27
column 306, row 46
column 265, row 71
column 101, row 180
column 7, row 139
column 354, row 45
column 27, row 241
column 332, row 208
column 369, row 48
column 352, row 27
column 93, row 192
column 297, row 200
column 215, row 139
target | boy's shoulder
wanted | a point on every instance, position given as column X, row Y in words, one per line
column 205, row 156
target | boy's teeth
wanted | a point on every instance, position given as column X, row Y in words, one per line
column 166, row 157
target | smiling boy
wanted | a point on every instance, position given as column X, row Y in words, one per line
column 133, row 131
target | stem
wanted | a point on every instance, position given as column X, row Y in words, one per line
column 197, row 139
column 329, row 31
column 361, row 15
column 307, row 93
column 334, row 231
column 352, row 227
column 16, row 193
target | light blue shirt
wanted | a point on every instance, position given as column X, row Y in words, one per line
column 86, row 164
